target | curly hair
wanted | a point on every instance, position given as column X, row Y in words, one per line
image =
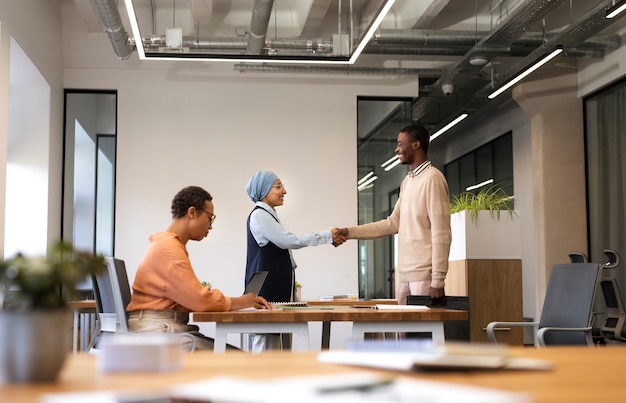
column 418, row 133
column 190, row 196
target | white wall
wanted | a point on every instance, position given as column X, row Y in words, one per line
column 215, row 129
column 44, row 48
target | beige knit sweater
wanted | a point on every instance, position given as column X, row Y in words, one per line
column 421, row 218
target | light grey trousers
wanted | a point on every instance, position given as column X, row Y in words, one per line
column 146, row 321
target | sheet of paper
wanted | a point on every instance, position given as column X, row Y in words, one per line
column 402, row 307
column 346, row 388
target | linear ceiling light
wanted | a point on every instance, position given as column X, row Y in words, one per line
column 366, row 177
column 479, row 185
column 616, row 9
column 392, row 165
column 367, row 182
column 381, row 15
column 132, row 16
column 526, row 72
column 448, row 126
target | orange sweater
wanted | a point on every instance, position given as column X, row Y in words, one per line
column 165, row 280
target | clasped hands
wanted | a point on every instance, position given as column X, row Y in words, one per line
column 340, row 235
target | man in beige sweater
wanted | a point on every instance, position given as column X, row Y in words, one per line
column 421, row 218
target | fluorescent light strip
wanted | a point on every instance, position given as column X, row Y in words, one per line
column 479, row 185
column 371, row 31
column 526, row 72
column 389, row 161
column 392, row 165
column 363, row 179
column 134, row 26
column 448, row 126
column 367, row 182
column 142, row 54
column 615, row 10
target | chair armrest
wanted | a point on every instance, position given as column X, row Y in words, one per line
column 541, row 333
column 491, row 328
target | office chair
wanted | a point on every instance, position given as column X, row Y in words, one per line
column 112, row 293
column 566, row 316
column 614, row 321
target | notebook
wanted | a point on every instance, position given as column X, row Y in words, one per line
column 256, row 282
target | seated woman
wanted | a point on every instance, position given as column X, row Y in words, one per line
column 166, row 287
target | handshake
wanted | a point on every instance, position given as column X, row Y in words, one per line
column 340, row 235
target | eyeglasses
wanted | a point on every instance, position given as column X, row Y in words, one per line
column 279, row 186
column 212, row 218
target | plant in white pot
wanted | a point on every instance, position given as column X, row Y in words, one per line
column 479, row 229
column 35, row 323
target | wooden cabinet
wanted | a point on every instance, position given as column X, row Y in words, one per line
column 494, row 288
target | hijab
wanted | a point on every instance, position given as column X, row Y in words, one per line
column 260, row 185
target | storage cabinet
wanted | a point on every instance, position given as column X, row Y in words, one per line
column 494, row 288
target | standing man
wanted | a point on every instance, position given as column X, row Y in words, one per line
column 421, row 218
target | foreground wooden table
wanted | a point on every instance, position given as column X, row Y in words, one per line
column 581, row 374
column 295, row 321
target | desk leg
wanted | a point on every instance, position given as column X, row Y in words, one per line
column 75, row 333
column 219, row 343
column 325, row 335
column 431, row 326
column 299, row 329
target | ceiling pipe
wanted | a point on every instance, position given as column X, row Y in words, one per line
column 112, row 21
column 258, row 26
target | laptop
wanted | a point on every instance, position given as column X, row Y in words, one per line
column 256, row 282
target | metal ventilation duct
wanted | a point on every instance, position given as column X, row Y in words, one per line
column 258, row 26
column 112, row 21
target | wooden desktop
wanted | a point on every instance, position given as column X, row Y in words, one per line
column 581, row 374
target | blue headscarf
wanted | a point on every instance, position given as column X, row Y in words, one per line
column 260, row 185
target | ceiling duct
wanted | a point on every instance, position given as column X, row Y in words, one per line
column 112, row 21
column 258, row 26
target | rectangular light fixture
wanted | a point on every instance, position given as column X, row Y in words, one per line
column 479, row 185
column 367, row 182
column 448, row 126
column 132, row 16
column 616, row 9
column 526, row 72
column 366, row 177
column 392, row 165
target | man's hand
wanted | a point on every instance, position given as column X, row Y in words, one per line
column 437, row 297
column 340, row 235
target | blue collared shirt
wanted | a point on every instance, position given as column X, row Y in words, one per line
column 266, row 228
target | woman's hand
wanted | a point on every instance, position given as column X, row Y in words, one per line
column 261, row 303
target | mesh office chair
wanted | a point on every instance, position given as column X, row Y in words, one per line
column 566, row 317
column 112, row 293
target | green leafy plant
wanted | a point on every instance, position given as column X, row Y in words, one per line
column 42, row 282
column 298, row 285
column 205, row 284
column 492, row 198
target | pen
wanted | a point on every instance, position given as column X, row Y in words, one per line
column 365, row 386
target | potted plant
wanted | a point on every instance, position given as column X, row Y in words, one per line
column 478, row 229
column 35, row 323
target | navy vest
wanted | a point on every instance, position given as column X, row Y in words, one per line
column 276, row 261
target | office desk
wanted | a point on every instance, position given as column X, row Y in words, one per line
column 581, row 374
column 295, row 321
column 85, row 313
column 344, row 302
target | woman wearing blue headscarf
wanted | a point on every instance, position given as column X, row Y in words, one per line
column 270, row 243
